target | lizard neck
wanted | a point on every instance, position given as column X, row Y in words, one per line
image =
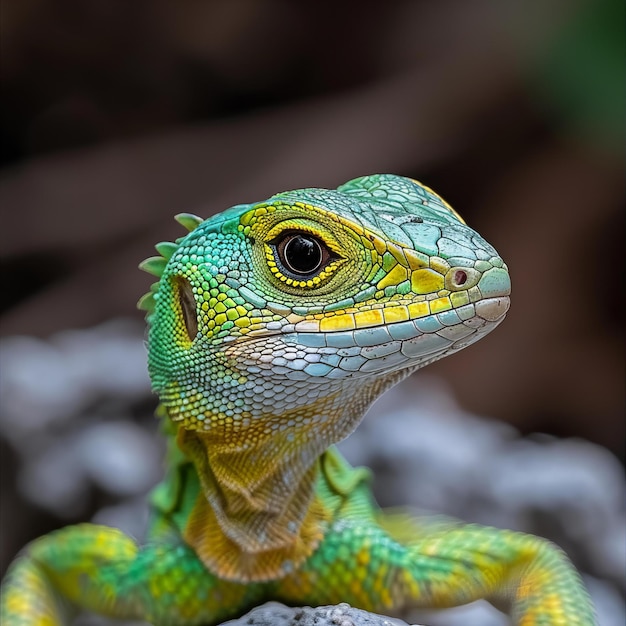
column 261, row 510
column 257, row 516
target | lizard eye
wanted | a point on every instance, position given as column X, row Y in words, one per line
column 187, row 303
column 301, row 255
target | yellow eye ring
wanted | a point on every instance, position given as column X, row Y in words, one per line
column 300, row 259
column 300, row 255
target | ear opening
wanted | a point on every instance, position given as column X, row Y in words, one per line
column 187, row 303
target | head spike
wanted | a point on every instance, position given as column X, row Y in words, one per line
column 146, row 302
column 166, row 249
column 188, row 220
column 154, row 265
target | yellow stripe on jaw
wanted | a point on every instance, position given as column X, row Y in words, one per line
column 440, row 304
column 366, row 319
column 384, row 315
column 387, row 315
column 418, row 309
column 394, row 314
column 337, row 323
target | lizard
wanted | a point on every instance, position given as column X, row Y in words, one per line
column 272, row 328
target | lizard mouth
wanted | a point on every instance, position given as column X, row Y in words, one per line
column 493, row 309
column 488, row 312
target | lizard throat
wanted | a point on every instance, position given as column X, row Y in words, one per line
column 252, row 527
column 258, row 515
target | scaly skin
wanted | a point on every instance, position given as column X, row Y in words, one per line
column 273, row 327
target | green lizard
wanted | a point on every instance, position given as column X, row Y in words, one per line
column 272, row 328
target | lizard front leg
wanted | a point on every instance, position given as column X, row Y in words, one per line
column 101, row 569
column 376, row 567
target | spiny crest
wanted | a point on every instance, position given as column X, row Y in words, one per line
column 155, row 265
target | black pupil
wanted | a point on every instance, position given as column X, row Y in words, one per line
column 303, row 255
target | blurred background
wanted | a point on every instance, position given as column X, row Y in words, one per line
column 115, row 116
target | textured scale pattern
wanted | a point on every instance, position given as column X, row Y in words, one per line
column 273, row 327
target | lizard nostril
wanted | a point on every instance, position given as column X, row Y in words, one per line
column 460, row 278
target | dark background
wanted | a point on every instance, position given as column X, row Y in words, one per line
column 117, row 115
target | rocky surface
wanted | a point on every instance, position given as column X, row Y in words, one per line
column 275, row 614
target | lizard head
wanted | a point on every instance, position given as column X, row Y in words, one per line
column 283, row 315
